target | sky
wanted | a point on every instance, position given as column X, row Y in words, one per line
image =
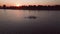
column 29, row 2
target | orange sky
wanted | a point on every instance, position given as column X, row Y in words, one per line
column 29, row 2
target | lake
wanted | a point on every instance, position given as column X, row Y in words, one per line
column 20, row 22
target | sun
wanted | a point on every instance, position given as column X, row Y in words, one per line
column 17, row 5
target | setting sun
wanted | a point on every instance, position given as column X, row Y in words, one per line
column 17, row 5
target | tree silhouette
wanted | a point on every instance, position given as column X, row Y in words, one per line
column 4, row 6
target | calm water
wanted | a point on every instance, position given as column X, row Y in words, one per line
column 14, row 22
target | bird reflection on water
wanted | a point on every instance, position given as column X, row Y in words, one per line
column 31, row 17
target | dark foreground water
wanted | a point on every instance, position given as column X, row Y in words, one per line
column 18, row 22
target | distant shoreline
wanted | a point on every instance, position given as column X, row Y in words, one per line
column 30, row 7
column 27, row 9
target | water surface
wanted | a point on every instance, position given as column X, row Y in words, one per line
column 14, row 22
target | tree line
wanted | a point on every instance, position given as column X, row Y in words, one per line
column 32, row 7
